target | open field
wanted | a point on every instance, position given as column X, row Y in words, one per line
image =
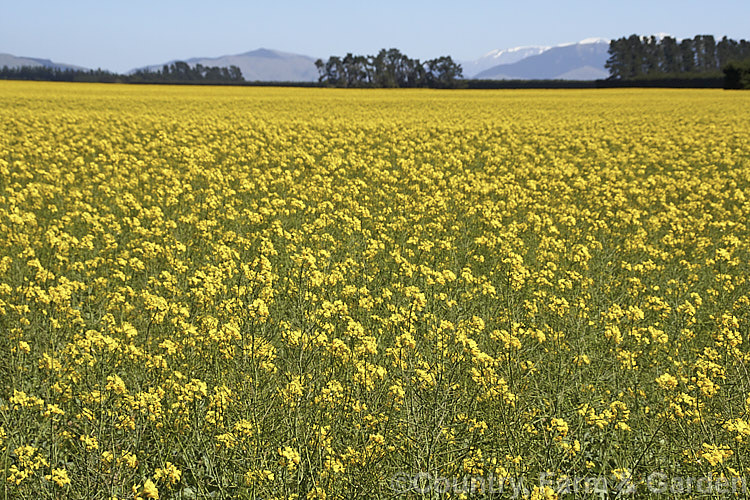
column 316, row 293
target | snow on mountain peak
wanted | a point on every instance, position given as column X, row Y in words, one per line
column 497, row 53
column 587, row 41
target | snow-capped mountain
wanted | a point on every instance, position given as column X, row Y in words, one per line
column 500, row 56
column 583, row 60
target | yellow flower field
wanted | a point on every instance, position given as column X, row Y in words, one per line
column 213, row 292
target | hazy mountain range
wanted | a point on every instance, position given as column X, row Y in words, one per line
column 575, row 61
column 16, row 62
column 500, row 56
column 259, row 65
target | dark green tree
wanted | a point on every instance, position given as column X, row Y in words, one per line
column 670, row 52
column 617, row 63
column 687, row 56
column 737, row 75
column 389, row 68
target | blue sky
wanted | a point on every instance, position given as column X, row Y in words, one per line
column 121, row 34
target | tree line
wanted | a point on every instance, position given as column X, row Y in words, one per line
column 44, row 73
column 389, row 68
column 177, row 72
column 637, row 57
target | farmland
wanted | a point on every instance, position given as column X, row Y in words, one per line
column 212, row 292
